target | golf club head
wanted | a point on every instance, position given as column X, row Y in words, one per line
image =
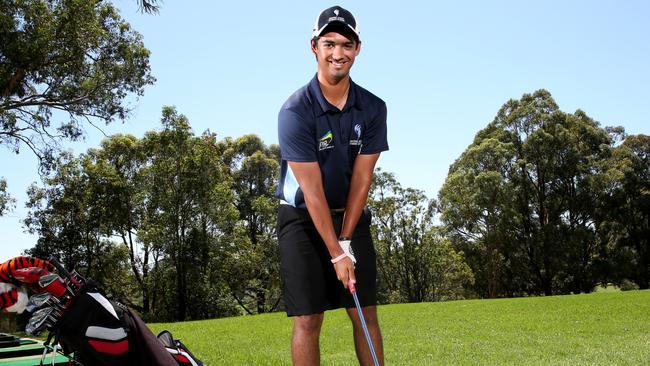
column 37, row 322
column 77, row 282
column 47, row 279
column 53, row 284
column 37, row 301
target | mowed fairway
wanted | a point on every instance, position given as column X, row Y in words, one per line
column 605, row 328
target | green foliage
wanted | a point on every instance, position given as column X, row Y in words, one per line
column 188, row 210
column 627, row 285
column 252, row 263
column 192, row 217
column 415, row 262
column 520, row 203
column 6, row 201
column 596, row 329
column 69, row 225
column 149, row 6
column 74, row 61
column 623, row 219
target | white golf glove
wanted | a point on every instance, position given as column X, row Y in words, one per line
column 347, row 249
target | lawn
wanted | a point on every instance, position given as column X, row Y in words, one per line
column 603, row 328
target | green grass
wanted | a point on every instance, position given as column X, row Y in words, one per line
column 603, row 328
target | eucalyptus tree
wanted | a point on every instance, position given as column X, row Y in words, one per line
column 253, row 261
column 115, row 177
column 6, row 201
column 623, row 219
column 189, row 214
column 519, row 201
column 64, row 214
column 65, row 65
column 414, row 261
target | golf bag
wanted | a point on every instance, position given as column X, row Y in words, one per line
column 93, row 330
column 178, row 350
column 106, row 333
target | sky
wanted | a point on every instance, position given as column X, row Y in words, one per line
column 443, row 68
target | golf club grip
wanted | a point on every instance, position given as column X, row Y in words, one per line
column 55, row 262
column 352, row 287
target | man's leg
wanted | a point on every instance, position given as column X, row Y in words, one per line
column 360, row 343
column 305, row 350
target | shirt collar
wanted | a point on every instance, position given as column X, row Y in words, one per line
column 326, row 106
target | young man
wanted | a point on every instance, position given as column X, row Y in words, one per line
column 331, row 132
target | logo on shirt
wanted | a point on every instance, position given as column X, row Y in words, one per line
column 357, row 130
column 325, row 142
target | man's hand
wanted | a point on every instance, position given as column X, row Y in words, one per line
column 347, row 249
column 345, row 271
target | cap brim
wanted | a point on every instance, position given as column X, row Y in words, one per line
column 319, row 32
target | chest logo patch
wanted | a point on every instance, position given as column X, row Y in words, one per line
column 325, row 142
column 357, row 131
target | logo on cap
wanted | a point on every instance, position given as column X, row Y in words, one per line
column 336, row 12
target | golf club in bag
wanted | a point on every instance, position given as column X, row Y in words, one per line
column 90, row 329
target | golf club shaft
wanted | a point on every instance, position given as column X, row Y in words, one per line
column 353, row 291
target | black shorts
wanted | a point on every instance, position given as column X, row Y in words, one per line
column 309, row 279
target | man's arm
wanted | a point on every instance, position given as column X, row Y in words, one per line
column 309, row 178
column 364, row 165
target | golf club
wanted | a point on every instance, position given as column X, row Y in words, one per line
column 37, row 301
column 38, row 321
column 353, row 291
column 53, row 284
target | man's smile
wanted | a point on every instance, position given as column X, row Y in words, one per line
column 338, row 63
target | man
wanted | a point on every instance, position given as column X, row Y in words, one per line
column 331, row 133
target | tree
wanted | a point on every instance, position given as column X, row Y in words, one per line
column 189, row 215
column 64, row 64
column 6, row 201
column 114, row 174
column 623, row 219
column 149, row 6
column 519, row 200
column 479, row 213
column 69, row 223
column 160, row 209
column 253, row 261
column 415, row 262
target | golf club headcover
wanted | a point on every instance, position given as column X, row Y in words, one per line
column 347, row 249
column 8, row 268
column 12, row 299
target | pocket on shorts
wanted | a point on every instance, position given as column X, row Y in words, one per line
column 287, row 216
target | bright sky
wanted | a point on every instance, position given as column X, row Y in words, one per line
column 443, row 68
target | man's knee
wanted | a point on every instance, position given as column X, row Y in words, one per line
column 308, row 323
column 369, row 314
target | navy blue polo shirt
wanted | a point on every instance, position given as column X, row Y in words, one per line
column 310, row 129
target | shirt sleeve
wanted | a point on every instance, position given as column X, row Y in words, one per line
column 376, row 139
column 296, row 138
